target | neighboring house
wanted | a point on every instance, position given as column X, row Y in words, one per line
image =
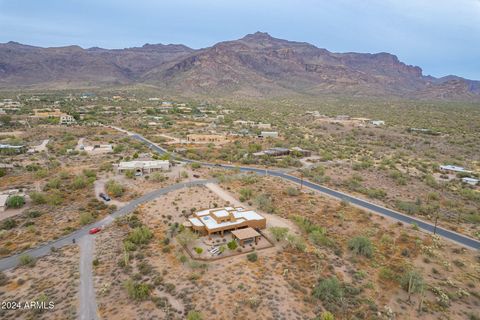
column 11, row 149
column 221, row 220
column 67, row 119
column 377, row 123
column 453, row 169
column 268, row 134
column 263, row 125
column 97, row 149
column 144, row 166
column 471, row 181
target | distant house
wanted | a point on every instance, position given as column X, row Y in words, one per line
column 11, row 149
column 220, row 220
column 471, row 181
column 453, row 169
column 142, row 167
column 268, row 134
column 97, row 149
column 67, row 119
column 377, row 123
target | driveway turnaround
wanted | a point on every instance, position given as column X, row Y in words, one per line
column 425, row 226
column 42, row 250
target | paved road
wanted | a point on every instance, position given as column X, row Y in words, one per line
column 12, row 261
column 426, row 226
column 88, row 303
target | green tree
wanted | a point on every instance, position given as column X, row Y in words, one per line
column 232, row 245
column 15, row 202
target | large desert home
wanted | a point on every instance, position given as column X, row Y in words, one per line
column 142, row 167
column 221, row 220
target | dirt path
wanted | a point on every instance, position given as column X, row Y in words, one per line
column 272, row 219
column 88, row 303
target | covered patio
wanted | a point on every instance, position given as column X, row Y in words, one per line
column 246, row 235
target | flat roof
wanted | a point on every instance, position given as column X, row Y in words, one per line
column 245, row 233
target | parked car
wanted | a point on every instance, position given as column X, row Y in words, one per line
column 94, row 230
column 104, row 196
column 196, row 176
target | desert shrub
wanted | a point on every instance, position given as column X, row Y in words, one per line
column 114, row 188
column 140, row 235
column 195, row 165
column 54, row 198
column 137, row 291
column 15, row 202
column 79, row 182
column 326, row 315
column 8, row 224
column 86, row 218
column 245, row 194
column 186, row 237
column 26, row 260
column 54, row 183
column 320, row 238
column 278, row 233
column 328, row 290
column 291, row 191
column 386, row 273
column 130, row 174
column 232, row 245
column 296, row 242
column 264, row 202
column 89, row 173
column 157, row 177
column 361, row 246
column 198, row 250
column 252, row 257
column 408, row 207
column 194, row 315
column 38, row 198
column 430, row 181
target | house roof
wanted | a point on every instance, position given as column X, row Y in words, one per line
column 245, row 233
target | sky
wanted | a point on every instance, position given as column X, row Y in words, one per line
column 440, row 36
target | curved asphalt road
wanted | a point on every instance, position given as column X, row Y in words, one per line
column 426, row 226
column 44, row 249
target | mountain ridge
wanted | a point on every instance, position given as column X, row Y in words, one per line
column 257, row 65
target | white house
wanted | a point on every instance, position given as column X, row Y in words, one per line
column 377, row 123
column 453, row 169
column 144, row 166
column 471, row 181
column 67, row 119
column 269, row 134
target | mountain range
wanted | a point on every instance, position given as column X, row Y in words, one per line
column 257, row 65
